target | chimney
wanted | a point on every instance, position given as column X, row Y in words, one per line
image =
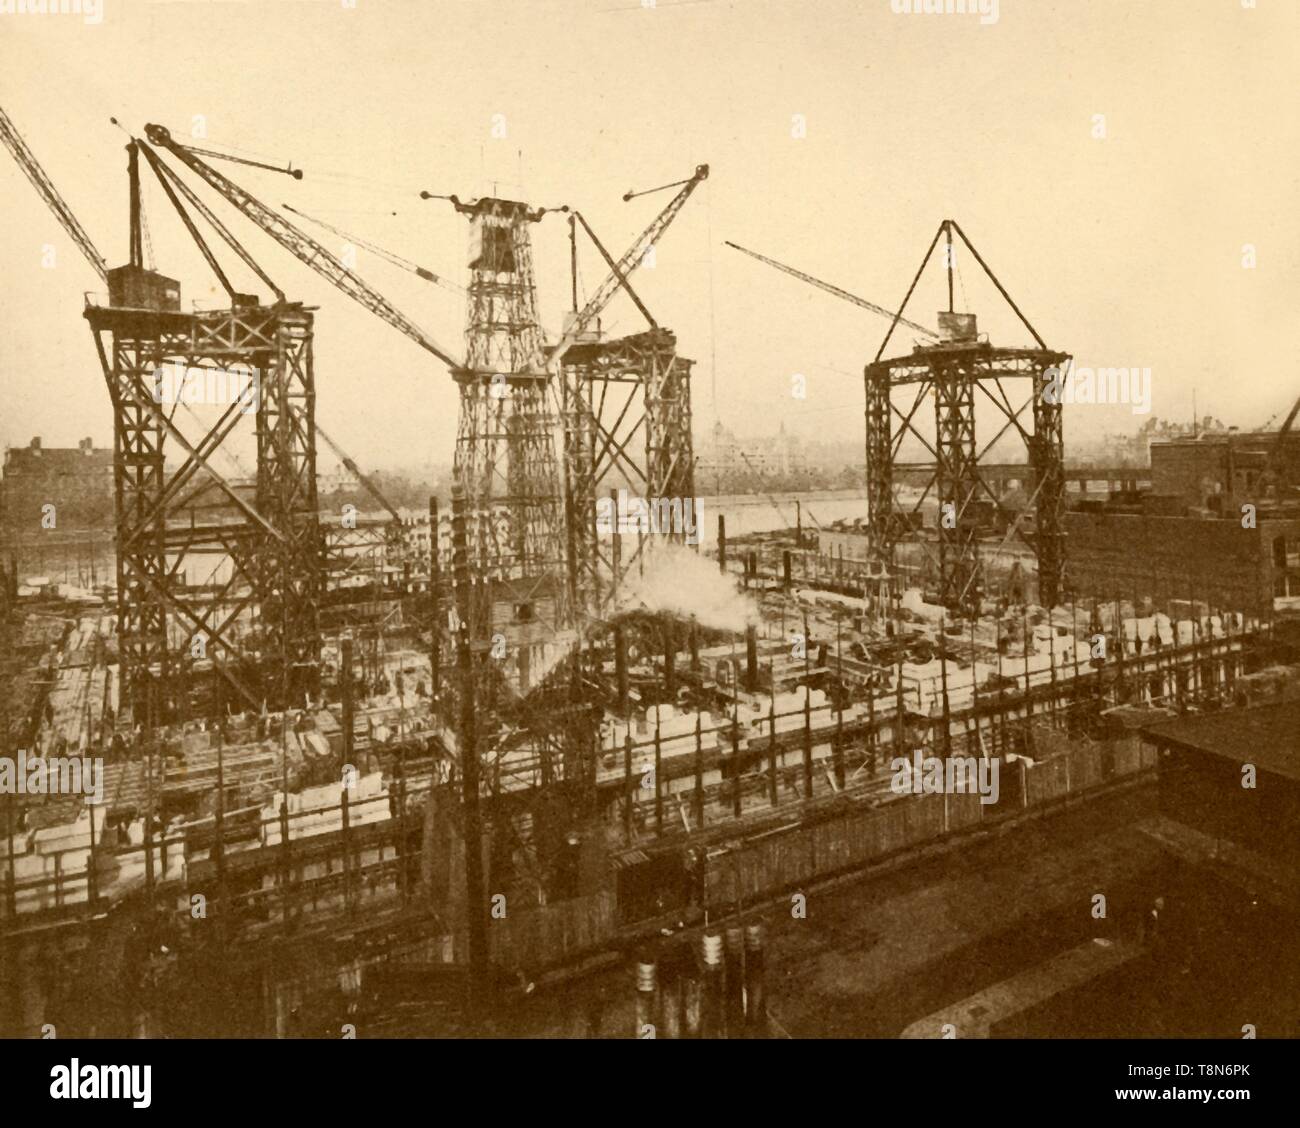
column 620, row 667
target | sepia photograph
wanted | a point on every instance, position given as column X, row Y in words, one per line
column 633, row 520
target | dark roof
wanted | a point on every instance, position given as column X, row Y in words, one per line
column 1267, row 736
column 63, row 460
column 1137, row 716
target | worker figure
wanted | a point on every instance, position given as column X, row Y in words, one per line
column 696, row 877
column 595, row 1012
column 1151, row 925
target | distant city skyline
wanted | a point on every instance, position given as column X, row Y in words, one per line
column 822, row 156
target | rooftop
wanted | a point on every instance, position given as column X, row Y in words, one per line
column 1267, row 736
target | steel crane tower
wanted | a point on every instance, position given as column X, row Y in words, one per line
column 240, row 591
column 953, row 372
column 139, row 332
column 505, row 460
column 627, row 415
column 952, row 366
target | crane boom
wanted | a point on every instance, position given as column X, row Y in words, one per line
column 351, row 466
column 772, row 498
column 625, row 266
column 302, row 246
column 853, row 298
column 27, row 161
column 388, row 256
column 1275, row 460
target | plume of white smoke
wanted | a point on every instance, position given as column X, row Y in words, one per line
column 681, row 582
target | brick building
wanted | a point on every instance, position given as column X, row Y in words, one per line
column 1186, row 537
column 1218, row 473
column 1113, row 554
column 77, row 481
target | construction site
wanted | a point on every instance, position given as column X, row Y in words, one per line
column 560, row 756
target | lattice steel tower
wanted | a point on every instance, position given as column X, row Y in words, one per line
column 953, row 371
column 505, row 445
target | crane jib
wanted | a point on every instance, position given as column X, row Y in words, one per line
column 301, row 245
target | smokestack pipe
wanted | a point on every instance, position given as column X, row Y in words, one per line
column 785, row 568
column 735, row 1008
column 712, row 1023
column 620, row 667
column 692, row 1001
column 722, row 543
column 670, row 662
column 647, row 987
column 345, row 680
column 694, row 640
column 469, row 763
column 616, row 548
column 670, row 996
column 435, row 601
column 751, row 658
column 755, row 994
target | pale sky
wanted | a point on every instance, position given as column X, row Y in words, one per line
column 1124, row 250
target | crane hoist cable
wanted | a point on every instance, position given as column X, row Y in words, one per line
column 148, row 242
column 163, row 170
column 772, row 498
column 630, row 194
column 622, row 270
column 302, row 246
column 380, row 252
column 296, row 173
column 837, row 291
column 961, row 283
column 352, row 468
